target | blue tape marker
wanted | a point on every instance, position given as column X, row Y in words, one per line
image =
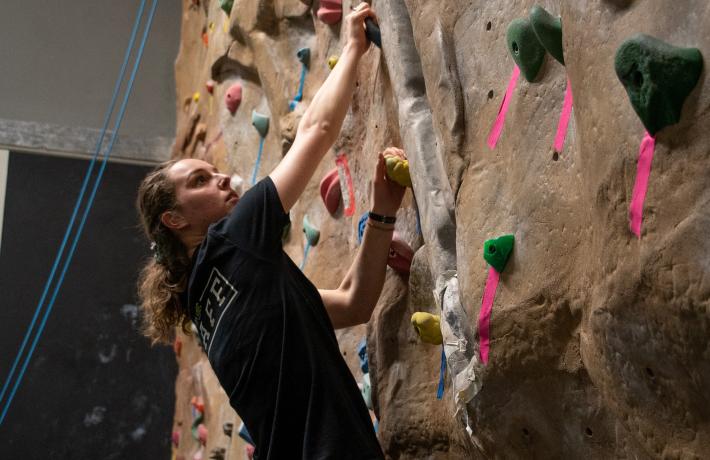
column 305, row 255
column 440, row 390
column 258, row 161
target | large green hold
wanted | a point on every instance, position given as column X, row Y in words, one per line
column 226, row 5
column 548, row 30
column 497, row 251
column 525, row 48
column 658, row 77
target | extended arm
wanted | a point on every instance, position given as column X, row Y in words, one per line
column 320, row 125
column 356, row 297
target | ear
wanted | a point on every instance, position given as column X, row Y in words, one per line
column 173, row 220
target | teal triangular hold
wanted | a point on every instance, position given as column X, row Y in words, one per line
column 226, row 5
column 304, row 55
column 260, row 122
column 312, row 234
column 524, row 47
column 658, row 77
column 548, row 30
column 497, row 251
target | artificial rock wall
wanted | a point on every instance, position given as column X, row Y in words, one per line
column 599, row 341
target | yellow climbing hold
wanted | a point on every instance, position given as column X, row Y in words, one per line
column 196, row 97
column 398, row 170
column 211, row 26
column 332, row 61
column 428, row 327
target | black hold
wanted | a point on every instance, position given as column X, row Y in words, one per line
column 218, row 453
column 228, row 428
column 372, row 32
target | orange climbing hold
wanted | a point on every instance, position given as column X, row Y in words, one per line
column 330, row 191
column 198, row 403
column 177, row 346
column 330, row 11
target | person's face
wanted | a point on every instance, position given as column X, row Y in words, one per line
column 202, row 193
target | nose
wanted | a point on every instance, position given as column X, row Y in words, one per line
column 222, row 181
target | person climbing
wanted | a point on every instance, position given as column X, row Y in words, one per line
column 267, row 331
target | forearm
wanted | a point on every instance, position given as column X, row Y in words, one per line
column 364, row 281
column 326, row 112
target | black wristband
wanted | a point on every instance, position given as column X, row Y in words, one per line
column 382, row 219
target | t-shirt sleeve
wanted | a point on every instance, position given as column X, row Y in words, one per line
column 257, row 221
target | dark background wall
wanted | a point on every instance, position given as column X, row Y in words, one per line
column 94, row 388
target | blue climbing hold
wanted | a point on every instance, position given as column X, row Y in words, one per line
column 361, row 227
column 362, row 353
column 304, row 55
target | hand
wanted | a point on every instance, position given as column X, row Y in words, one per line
column 387, row 194
column 355, row 38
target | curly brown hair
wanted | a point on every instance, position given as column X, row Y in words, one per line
column 164, row 277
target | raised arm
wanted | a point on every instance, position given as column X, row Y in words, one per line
column 320, row 125
column 356, row 297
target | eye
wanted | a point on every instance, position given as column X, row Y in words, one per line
column 200, row 180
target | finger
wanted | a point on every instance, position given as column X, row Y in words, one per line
column 381, row 168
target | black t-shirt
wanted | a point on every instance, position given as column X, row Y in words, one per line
column 270, row 342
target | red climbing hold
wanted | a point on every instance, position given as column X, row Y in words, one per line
column 249, row 451
column 198, row 403
column 400, row 258
column 330, row 11
column 233, row 97
column 210, row 86
column 176, row 438
column 330, row 191
column 202, row 433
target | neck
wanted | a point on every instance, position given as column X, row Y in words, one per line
column 192, row 241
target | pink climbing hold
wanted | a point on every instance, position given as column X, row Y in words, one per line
column 210, row 86
column 176, row 438
column 202, row 433
column 330, row 11
column 330, row 191
column 249, row 451
column 401, row 255
column 497, row 128
column 233, row 97
column 484, row 316
column 643, row 170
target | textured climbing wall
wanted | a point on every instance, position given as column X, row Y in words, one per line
column 599, row 341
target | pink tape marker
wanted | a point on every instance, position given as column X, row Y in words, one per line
column 643, row 170
column 564, row 119
column 500, row 119
column 484, row 316
column 346, row 184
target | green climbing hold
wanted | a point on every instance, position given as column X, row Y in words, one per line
column 260, row 122
column 497, row 251
column 226, row 5
column 548, row 30
column 525, row 48
column 658, row 77
column 312, row 234
column 398, row 170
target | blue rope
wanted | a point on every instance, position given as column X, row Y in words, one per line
column 442, row 373
column 79, row 200
column 258, row 160
column 89, row 204
column 299, row 94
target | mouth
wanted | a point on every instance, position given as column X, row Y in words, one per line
column 233, row 198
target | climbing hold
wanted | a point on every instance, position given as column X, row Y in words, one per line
column 497, row 251
column 176, row 438
column 196, row 97
column 398, row 170
column 312, row 234
column 330, row 191
column 362, row 354
column 236, row 183
column 304, row 55
column 658, row 77
column 244, row 434
column 332, row 61
column 249, row 451
column 372, row 32
column 205, row 38
column 177, row 346
column 401, row 254
column 202, row 433
column 260, row 122
column 366, row 390
column 218, row 453
column 228, row 428
column 233, row 97
column 198, row 403
column 226, row 5
column 548, row 30
column 428, row 327
column 524, row 47
column 209, row 85
column 330, row 11
column 361, row 226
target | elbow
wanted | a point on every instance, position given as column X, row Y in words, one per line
column 320, row 130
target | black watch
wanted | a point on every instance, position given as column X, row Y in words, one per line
column 381, row 218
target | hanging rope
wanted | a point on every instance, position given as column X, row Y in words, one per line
column 90, row 201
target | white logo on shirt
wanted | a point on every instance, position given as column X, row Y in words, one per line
column 215, row 299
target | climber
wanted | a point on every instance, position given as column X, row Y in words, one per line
column 268, row 333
